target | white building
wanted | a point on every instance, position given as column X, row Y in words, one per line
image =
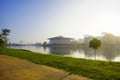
column 87, row 39
column 80, row 41
column 60, row 40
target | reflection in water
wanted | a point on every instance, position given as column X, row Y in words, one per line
column 110, row 53
column 60, row 50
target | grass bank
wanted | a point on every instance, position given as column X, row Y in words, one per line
column 97, row 70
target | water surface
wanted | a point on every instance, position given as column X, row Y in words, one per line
column 106, row 53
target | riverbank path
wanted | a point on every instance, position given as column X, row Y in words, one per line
column 12, row 68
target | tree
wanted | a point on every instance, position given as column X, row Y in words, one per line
column 1, row 41
column 95, row 44
column 4, row 34
column 45, row 43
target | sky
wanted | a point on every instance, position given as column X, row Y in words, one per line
column 37, row 20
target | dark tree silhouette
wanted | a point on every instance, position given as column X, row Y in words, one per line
column 45, row 43
column 5, row 33
column 1, row 41
column 95, row 44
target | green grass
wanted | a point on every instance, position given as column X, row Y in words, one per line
column 97, row 70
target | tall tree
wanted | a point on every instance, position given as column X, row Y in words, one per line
column 5, row 33
column 1, row 41
column 95, row 44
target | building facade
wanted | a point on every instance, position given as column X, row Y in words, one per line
column 87, row 39
column 60, row 40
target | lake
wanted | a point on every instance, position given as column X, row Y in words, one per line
column 106, row 53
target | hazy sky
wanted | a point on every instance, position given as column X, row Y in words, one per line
column 38, row 20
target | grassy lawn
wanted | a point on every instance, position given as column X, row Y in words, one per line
column 97, row 70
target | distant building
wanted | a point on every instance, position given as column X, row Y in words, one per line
column 80, row 41
column 37, row 44
column 87, row 39
column 109, row 38
column 60, row 40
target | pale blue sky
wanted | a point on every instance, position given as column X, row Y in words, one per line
column 37, row 20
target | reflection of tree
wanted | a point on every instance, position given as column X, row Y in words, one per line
column 89, row 52
column 38, row 47
column 110, row 52
column 44, row 47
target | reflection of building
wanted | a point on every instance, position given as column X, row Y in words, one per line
column 110, row 53
column 60, row 50
column 118, row 40
column 60, row 40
